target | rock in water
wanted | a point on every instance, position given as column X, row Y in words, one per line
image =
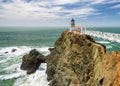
column 32, row 61
column 13, row 50
column 6, row 52
column 51, row 49
column 77, row 60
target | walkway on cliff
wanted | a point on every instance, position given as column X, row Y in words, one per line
column 104, row 35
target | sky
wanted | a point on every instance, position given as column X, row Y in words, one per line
column 47, row 13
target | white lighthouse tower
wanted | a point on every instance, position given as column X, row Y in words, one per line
column 72, row 27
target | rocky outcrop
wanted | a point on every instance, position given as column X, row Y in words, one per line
column 107, row 69
column 77, row 60
column 32, row 61
column 13, row 50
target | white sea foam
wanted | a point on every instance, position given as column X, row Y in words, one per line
column 11, row 76
column 39, row 78
column 13, row 70
column 19, row 50
column 4, row 60
column 43, row 50
column 105, row 35
column 108, row 46
column 22, row 50
column 103, row 42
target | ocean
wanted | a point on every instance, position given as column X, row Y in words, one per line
column 23, row 39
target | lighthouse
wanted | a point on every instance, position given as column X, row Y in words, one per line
column 72, row 27
column 72, row 23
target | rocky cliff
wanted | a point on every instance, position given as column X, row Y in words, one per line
column 32, row 61
column 77, row 60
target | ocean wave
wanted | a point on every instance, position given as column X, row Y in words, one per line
column 12, row 68
column 39, row 78
column 12, row 76
column 20, row 50
column 108, row 46
column 105, row 35
column 11, row 61
column 103, row 42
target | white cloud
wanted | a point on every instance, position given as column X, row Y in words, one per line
column 37, row 11
column 118, row 13
column 116, row 6
column 65, row 1
column 112, row 1
column 97, row 1
column 41, row 10
column 80, row 12
column 27, row 10
column 45, row 12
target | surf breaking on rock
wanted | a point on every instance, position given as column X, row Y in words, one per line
column 76, row 60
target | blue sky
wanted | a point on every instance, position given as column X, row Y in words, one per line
column 59, row 12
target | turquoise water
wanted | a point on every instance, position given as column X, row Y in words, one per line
column 111, row 46
column 106, row 29
column 35, row 37
column 23, row 40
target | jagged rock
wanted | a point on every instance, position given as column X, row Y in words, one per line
column 77, row 60
column 13, row 50
column 107, row 69
column 6, row 52
column 51, row 49
column 31, row 61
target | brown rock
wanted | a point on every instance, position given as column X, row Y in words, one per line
column 32, row 61
column 51, row 49
column 109, row 69
column 13, row 50
column 77, row 60
column 6, row 52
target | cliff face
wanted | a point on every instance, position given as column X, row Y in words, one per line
column 107, row 69
column 77, row 60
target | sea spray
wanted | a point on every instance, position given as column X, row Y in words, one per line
column 39, row 78
column 10, row 66
column 24, row 41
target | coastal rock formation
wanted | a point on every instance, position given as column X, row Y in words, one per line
column 77, row 60
column 32, row 61
column 107, row 69
column 13, row 50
